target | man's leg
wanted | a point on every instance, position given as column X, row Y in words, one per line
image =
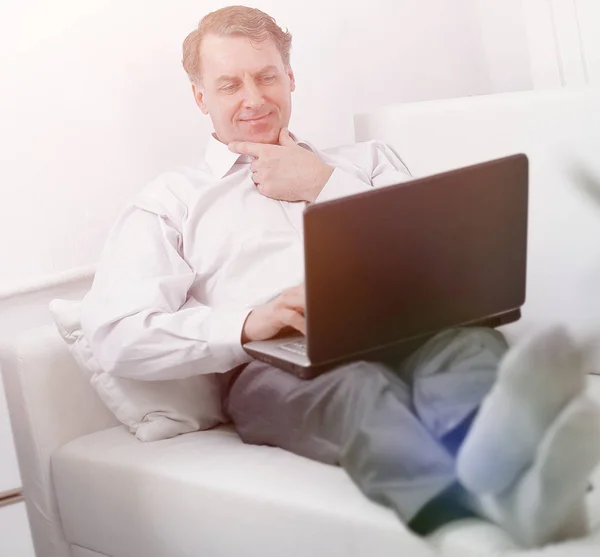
column 531, row 423
column 357, row 416
column 361, row 420
column 449, row 377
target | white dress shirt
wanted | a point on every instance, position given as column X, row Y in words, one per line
column 195, row 251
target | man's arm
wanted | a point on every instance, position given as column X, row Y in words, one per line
column 137, row 316
column 381, row 165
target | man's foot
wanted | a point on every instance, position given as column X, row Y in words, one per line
column 546, row 504
column 536, row 380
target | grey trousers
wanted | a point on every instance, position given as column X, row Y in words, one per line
column 384, row 423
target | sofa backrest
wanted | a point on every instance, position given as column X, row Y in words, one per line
column 560, row 133
column 50, row 403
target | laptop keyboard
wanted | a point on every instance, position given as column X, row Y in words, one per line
column 297, row 347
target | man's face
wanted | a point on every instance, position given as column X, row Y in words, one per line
column 246, row 89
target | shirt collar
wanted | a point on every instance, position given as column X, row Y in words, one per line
column 220, row 159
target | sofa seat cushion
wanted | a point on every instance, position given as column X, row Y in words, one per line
column 206, row 493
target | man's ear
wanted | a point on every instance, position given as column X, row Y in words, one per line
column 292, row 80
column 199, row 97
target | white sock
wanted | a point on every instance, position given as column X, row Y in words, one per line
column 536, row 380
column 547, row 502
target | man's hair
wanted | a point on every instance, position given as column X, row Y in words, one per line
column 234, row 20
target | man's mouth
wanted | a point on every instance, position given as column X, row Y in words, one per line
column 255, row 118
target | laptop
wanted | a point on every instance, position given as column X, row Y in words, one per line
column 388, row 268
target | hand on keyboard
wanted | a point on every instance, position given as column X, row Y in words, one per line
column 266, row 321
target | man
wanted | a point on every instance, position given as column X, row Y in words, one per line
column 211, row 256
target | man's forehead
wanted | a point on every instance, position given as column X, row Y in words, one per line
column 228, row 55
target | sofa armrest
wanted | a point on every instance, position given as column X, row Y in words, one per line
column 50, row 403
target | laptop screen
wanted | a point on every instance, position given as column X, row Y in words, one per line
column 414, row 258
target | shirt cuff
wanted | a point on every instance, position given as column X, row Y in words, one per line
column 225, row 336
column 340, row 184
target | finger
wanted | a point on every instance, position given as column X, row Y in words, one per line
column 254, row 165
column 294, row 290
column 246, row 148
column 258, row 176
column 298, row 288
column 267, row 192
column 294, row 299
column 294, row 319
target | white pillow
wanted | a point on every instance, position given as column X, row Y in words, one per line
column 152, row 410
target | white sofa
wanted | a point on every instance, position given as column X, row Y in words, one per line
column 92, row 489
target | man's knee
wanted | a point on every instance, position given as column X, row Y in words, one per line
column 460, row 347
column 485, row 337
column 460, row 339
column 361, row 378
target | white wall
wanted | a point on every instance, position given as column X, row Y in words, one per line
column 505, row 44
column 97, row 104
column 588, row 15
column 564, row 42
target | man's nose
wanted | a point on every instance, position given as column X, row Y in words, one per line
column 253, row 96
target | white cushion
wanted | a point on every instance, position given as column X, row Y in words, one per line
column 152, row 410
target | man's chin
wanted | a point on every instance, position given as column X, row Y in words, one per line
column 267, row 136
column 271, row 136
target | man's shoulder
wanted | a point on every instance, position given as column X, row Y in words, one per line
column 178, row 181
column 365, row 155
column 364, row 148
column 171, row 192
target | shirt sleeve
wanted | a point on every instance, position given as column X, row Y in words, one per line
column 380, row 166
column 138, row 317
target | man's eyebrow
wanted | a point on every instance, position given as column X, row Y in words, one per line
column 223, row 78
column 226, row 78
column 267, row 69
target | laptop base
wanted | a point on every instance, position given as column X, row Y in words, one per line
column 270, row 351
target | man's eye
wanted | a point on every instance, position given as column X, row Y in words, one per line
column 229, row 88
column 268, row 78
